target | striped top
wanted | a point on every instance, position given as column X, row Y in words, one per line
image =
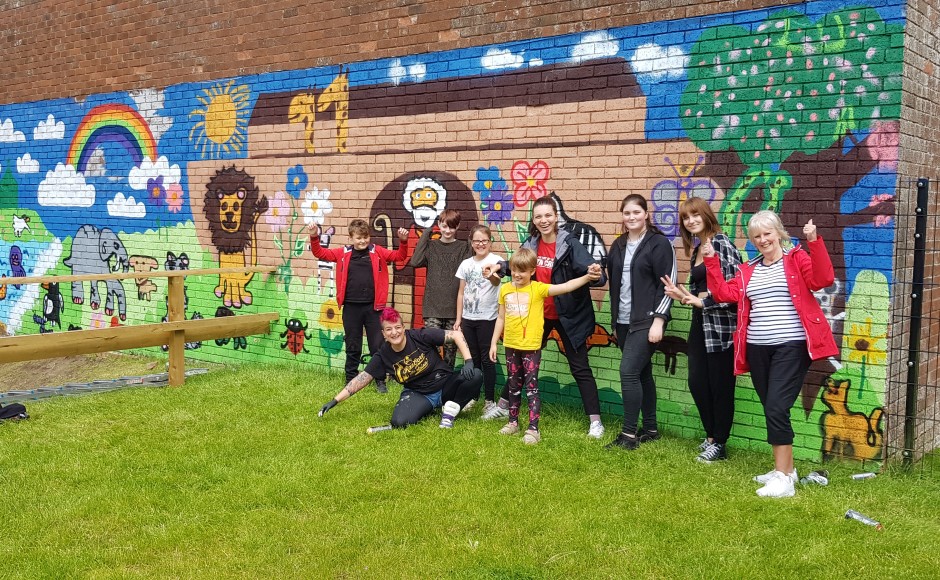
column 773, row 319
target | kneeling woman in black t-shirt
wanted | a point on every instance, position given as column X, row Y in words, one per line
column 412, row 357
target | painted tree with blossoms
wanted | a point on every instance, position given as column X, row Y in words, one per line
column 788, row 86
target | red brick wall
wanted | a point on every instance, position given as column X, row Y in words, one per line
column 58, row 49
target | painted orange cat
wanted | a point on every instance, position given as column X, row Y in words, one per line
column 848, row 433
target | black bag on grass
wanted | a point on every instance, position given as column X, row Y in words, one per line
column 13, row 411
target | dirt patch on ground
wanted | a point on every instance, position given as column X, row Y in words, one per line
column 58, row 371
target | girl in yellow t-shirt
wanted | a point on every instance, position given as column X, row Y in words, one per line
column 521, row 316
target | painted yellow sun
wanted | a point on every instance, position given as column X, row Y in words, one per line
column 223, row 120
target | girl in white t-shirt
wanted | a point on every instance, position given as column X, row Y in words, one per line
column 477, row 307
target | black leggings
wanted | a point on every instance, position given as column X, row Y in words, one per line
column 479, row 335
column 412, row 406
column 711, row 382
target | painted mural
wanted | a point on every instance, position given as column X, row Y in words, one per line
column 794, row 109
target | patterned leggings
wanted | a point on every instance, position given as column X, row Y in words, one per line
column 522, row 368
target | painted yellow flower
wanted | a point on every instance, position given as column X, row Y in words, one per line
column 866, row 347
column 330, row 317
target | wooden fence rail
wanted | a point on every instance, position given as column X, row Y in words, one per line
column 175, row 333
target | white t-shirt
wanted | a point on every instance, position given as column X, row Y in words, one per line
column 480, row 297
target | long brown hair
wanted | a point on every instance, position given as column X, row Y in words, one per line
column 697, row 205
column 639, row 200
column 546, row 200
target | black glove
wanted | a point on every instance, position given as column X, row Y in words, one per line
column 327, row 407
column 466, row 373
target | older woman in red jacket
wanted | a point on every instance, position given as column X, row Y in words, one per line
column 781, row 328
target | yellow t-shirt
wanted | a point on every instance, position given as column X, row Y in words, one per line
column 525, row 314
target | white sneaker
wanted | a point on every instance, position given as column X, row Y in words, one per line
column 780, row 485
column 469, row 405
column 766, row 477
column 450, row 410
column 494, row 412
column 509, row 429
column 596, row 431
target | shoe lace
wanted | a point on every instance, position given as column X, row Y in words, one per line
column 711, row 452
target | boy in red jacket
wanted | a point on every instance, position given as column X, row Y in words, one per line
column 361, row 288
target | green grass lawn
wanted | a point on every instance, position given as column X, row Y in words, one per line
column 233, row 475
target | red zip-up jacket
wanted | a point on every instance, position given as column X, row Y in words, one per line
column 805, row 273
column 378, row 255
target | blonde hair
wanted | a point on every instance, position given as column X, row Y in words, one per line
column 523, row 260
column 766, row 219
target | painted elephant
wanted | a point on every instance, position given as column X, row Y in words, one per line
column 92, row 252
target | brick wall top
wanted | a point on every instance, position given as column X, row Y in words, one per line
column 74, row 47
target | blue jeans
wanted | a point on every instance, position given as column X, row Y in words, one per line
column 636, row 378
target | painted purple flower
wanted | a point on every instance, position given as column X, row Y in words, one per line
column 156, row 193
column 495, row 199
column 497, row 206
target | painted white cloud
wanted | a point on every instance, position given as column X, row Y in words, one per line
column 497, row 58
column 148, row 170
column 149, row 102
column 398, row 72
column 122, row 206
column 595, row 45
column 536, row 62
column 417, row 71
column 656, row 61
column 49, row 129
column 65, row 187
column 26, row 164
column 10, row 135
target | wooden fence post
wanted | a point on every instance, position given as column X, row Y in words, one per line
column 176, row 312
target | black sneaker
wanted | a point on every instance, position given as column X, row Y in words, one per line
column 644, row 436
column 624, row 441
column 381, row 387
column 714, row 452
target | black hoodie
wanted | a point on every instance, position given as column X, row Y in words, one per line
column 654, row 257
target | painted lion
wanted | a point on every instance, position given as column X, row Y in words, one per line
column 232, row 207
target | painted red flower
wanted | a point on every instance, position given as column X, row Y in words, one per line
column 529, row 181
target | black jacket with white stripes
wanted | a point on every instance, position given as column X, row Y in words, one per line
column 654, row 257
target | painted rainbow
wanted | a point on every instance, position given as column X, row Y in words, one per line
column 112, row 123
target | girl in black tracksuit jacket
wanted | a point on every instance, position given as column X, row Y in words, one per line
column 639, row 310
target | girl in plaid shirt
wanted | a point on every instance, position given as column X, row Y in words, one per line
column 710, row 341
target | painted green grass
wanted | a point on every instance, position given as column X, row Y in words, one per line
column 233, row 475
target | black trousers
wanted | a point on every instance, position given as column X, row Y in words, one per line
column 412, row 406
column 778, row 372
column 479, row 335
column 637, row 386
column 711, row 382
column 355, row 318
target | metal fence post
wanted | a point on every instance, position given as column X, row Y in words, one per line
column 917, row 307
